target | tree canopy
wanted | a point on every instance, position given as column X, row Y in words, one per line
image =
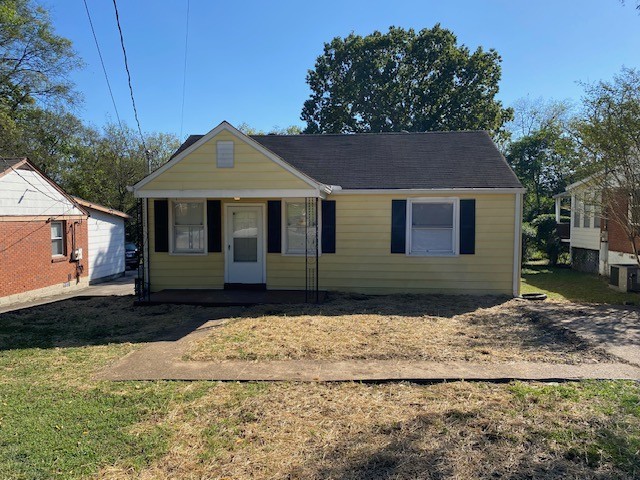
column 34, row 61
column 609, row 138
column 541, row 152
column 403, row 80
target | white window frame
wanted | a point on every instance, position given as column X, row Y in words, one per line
column 630, row 212
column 576, row 213
column 455, row 230
column 225, row 143
column 62, row 229
column 284, row 247
column 172, row 247
column 586, row 218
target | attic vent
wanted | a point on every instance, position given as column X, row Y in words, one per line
column 225, row 154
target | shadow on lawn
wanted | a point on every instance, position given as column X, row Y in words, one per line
column 469, row 444
column 81, row 321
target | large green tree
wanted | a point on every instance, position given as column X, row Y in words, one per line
column 35, row 63
column 541, row 152
column 403, row 80
column 35, row 88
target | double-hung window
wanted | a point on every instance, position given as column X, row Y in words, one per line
column 299, row 227
column 433, row 226
column 586, row 220
column 634, row 209
column 188, row 227
column 57, row 238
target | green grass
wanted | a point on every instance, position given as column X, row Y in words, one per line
column 566, row 284
column 613, row 437
column 56, row 422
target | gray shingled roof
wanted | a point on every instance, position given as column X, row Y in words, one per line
column 393, row 160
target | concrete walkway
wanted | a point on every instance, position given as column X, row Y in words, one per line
column 120, row 286
column 163, row 361
column 614, row 328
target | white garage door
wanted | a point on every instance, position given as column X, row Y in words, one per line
column 106, row 245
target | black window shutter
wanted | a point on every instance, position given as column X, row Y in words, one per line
column 468, row 226
column 274, row 226
column 214, row 225
column 161, row 225
column 328, row 226
column 398, row 226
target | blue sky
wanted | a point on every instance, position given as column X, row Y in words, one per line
column 247, row 60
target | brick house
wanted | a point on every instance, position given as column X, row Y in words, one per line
column 44, row 235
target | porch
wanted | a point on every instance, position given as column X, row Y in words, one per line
column 231, row 297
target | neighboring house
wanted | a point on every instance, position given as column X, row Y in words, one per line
column 106, row 241
column 396, row 212
column 596, row 243
column 45, row 242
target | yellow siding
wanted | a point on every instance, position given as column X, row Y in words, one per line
column 252, row 170
column 363, row 262
column 183, row 271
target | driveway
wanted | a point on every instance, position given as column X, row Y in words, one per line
column 615, row 328
column 120, row 287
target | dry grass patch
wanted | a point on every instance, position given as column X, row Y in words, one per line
column 403, row 431
column 408, row 327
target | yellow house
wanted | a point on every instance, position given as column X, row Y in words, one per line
column 380, row 213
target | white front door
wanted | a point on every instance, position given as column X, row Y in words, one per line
column 244, row 237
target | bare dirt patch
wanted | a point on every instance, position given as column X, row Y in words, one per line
column 404, row 327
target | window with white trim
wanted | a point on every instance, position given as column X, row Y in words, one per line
column 576, row 212
column 57, row 238
column 586, row 220
column 432, row 225
column 634, row 209
column 224, row 154
column 296, row 227
column 188, row 226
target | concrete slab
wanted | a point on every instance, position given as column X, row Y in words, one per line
column 145, row 367
column 614, row 328
column 120, row 287
column 228, row 298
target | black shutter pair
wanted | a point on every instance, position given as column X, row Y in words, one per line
column 467, row 226
column 274, row 226
column 214, row 225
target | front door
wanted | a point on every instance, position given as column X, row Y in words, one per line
column 244, row 244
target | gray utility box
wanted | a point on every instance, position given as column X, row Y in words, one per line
column 625, row 278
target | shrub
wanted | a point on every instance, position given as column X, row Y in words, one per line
column 529, row 241
column 547, row 238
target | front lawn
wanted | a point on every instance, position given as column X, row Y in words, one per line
column 395, row 327
column 56, row 422
column 570, row 285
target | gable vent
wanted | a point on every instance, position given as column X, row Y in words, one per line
column 225, row 154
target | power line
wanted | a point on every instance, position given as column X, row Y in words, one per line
column 30, row 184
column 104, row 70
column 184, row 73
column 26, row 180
column 126, row 66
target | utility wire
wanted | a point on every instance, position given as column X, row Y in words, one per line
column 15, row 232
column 104, row 70
column 126, row 66
column 30, row 184
column 184, row 72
